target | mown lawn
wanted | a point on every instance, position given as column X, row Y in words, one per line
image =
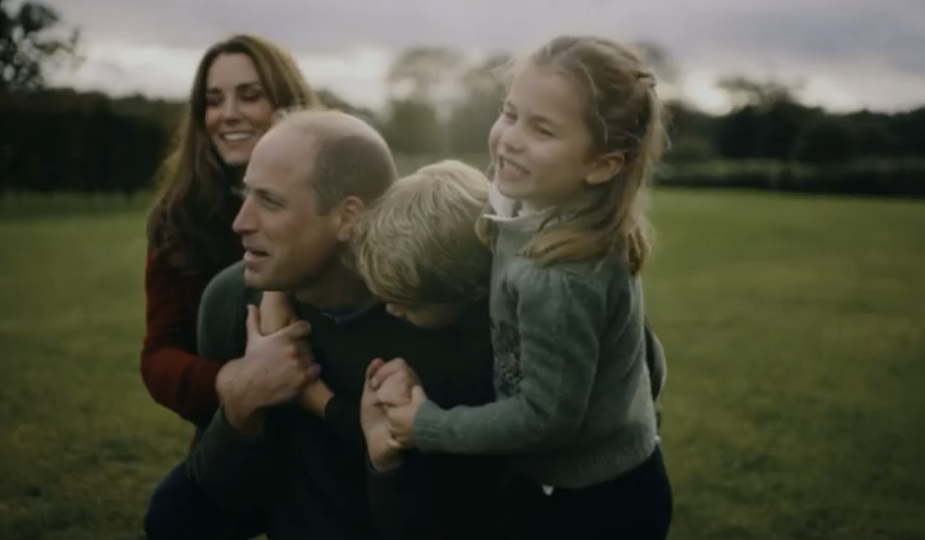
column 795, row 329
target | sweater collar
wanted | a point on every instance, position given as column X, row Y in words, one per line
column 504, row 208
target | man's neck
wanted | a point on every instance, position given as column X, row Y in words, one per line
column 339, row 292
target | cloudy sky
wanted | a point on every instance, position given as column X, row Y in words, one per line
column 848, row 53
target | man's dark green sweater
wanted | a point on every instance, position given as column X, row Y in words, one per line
column 313, row 474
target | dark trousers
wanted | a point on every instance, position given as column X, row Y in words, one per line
column 180, row 510
column 635, row 506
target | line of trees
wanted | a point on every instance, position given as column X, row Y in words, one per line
column 442, row 102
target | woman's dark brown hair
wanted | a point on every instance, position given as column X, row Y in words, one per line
column 190, row 221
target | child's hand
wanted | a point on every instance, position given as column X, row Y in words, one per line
column 275, row 312
column 384, row 452
column 395, row 391
column 401, row 419
column 393, row 382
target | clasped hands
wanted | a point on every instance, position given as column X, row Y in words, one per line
column 391, row 396
column 397, row 391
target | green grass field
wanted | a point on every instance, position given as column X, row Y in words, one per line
column 794, row 327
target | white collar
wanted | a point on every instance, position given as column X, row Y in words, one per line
column 505, row 208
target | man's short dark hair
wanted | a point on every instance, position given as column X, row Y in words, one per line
column 351, row 157
column 351, row 165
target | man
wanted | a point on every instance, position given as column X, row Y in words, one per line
column 308, row 179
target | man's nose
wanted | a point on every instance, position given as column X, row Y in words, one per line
column 245, row 222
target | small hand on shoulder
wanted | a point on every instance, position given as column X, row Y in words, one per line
column 274, row 369
column 275, row 314
column 277, row 361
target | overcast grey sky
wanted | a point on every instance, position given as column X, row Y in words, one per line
column 849, row 53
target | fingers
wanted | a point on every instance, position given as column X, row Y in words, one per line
column 397, row 441
column 417, row 394
column 301, row 349
column 297, row 330
column 392, row 415
column 389, row 368
column 313, row 371
column 392, row 395
column 395, row 390
column 369, row 399
column 253, row 322
column 373, row 367
column 371, row 370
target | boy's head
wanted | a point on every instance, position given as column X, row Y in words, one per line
column 417, row 248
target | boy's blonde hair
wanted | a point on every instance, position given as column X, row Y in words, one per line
column 624, row 114
column 417, row 244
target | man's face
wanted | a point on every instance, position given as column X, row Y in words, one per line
column 288, row 244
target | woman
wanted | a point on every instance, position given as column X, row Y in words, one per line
column 239, row 85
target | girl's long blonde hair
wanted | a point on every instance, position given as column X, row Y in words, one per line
column 623, row 114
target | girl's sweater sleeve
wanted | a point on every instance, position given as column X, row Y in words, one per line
column 550, row 335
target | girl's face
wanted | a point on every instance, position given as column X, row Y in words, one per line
column 237, row 109
column 540, row 145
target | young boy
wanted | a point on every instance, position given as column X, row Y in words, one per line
column 417, row 250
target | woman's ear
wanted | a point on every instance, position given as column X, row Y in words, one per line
column 606, row 168
column 347, row 214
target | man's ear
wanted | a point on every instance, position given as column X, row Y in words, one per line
column 606, row 168
column 348, row 211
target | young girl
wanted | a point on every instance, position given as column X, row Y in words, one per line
column 572, row 152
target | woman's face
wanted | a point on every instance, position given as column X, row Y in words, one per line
column 237, row 109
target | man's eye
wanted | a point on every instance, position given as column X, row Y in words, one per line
column 270, row 202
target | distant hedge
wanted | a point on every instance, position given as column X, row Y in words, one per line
column 77, row 146
column 86, row 144
column 893, row 178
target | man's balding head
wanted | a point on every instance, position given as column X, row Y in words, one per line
column 309, row 177
column 347, row 156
